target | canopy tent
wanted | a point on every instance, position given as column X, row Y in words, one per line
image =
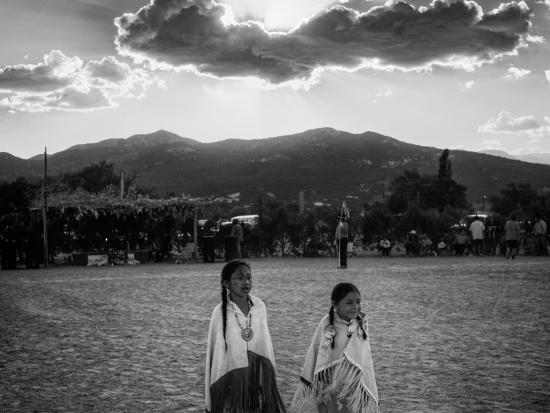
column 107, row 200
column 107, row 207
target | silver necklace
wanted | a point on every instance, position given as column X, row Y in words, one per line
column 246, row 332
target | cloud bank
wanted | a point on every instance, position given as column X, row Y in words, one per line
column 201, row 35
column 527, row 125
column 70, row 84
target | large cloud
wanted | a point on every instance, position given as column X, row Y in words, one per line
column 68, row 83
column 200, row 34
column 527, row 125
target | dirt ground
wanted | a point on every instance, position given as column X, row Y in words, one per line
column 448, row 334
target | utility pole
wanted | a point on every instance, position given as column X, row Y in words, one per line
column 122, row 178
column 301, row 201
column 195, row 237
column 260, row 227
column 45, row 209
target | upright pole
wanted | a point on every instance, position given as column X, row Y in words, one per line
column 337, row 240
column 122, row 178
column 301, row 201
column 483, row 209
column 195, row 248
column 45, row 210
column 260, row 227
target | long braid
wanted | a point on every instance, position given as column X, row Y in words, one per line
column 224, row 313
column 331, row 321
column 360, row 321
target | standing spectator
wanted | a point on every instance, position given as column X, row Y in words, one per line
column 208, row 242
column 237, row 235
column 412, row 244
column 385, row 245
column 540, row 235
column 511, row 235
column 491, row 238
column 442, row 248
column 165, row 246
column 477, row 229
column 341, row 239
column 9, row 249
column 426, row 246
column 461, row 242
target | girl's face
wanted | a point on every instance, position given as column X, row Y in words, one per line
column 349, row 306
column 240, row 284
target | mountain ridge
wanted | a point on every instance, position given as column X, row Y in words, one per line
column 325, row 163
column 542, row 158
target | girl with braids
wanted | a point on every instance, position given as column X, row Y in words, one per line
column 338, row 374
column 240, row 365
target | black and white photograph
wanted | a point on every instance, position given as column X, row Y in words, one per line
column 274, row 206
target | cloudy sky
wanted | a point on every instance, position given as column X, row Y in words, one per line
column 446, row 73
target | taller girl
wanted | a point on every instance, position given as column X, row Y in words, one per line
column 240, row 365
column 338, row 374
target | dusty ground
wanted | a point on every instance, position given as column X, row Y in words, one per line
column 448, row 334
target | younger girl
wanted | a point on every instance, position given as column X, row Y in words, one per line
column 240, row 366
column 338, row 374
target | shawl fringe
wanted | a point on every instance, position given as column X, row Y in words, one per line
column 248, row 390
column 341, row 380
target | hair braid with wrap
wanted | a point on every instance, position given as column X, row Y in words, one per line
column 331, row 320
column 360, row 321
column 224, row 312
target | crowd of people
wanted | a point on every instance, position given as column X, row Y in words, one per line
column 481, row 237
column 225, row 239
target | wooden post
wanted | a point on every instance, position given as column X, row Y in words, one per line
column 260, row 227
column 122, row 177
column 301, row 201
column 45, row 209
column 195, row 237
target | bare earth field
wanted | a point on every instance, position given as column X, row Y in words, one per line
column 448, row 334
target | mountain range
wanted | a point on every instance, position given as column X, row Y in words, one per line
column 543, row 158
column 326, row 164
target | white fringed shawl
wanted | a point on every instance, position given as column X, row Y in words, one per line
column 344, row 373
column 234, row 366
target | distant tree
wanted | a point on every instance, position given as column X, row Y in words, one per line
column 445, row 165
column 522, row 199
column 320, row 224
column 17, row 195
column 270, row 224
column 441, row 193
column 377, row 220
column 404, row 189
column 426, row 192
column 295, row 228
column 15, row 217
column 305, row 233
column 94, row 178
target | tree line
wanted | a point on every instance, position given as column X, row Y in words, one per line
column 429, row 204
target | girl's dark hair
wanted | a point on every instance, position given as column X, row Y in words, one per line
column 338, row 293
column 228, row 270
column 341, row 290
